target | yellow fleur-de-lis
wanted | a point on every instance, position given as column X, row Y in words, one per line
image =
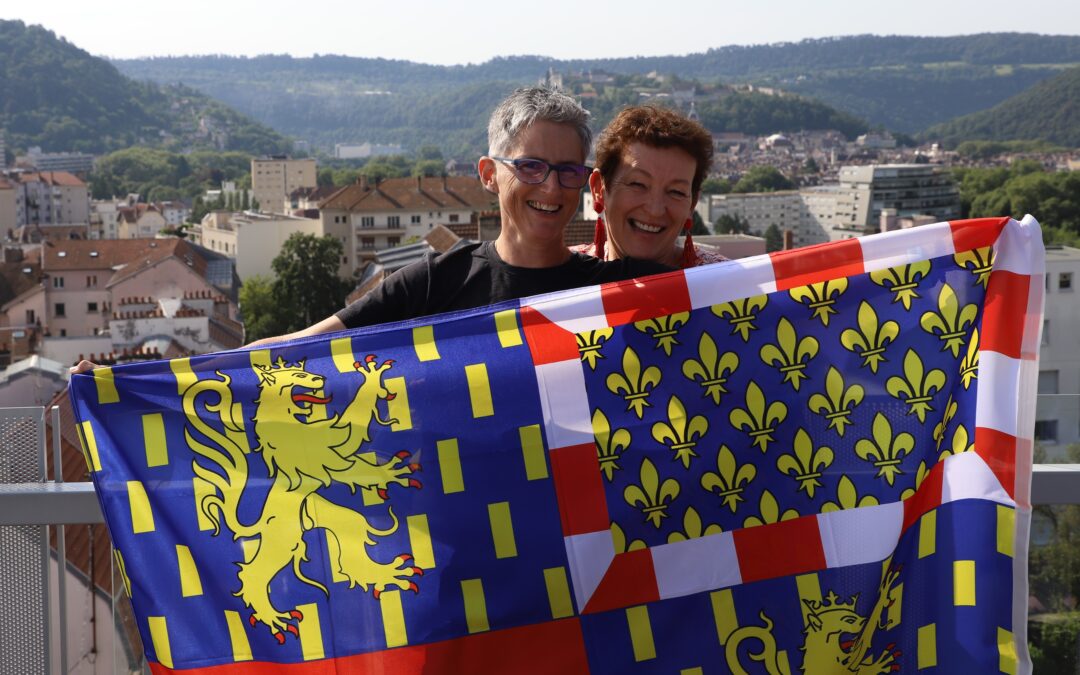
column 871, row 339
column 609, row 444
column 692, row 528
column 678, row 433
column 710, row 370
column 979, row 261
column 664, row 329
column 805, row 463
column 634, row 383
column 730, row 479
column 939, row 429
column 790, row 354
column 920, row 475
column 590, row 343
column 917, row 387
column 652, row 496
column 741, row 314
column 618, row 538
column 902, row 280
column 759, row 418
column 951, row 321
column 969, row 365
column 838, row 401
column 847, row 497
column 820, row 297
column 885, row 451
column 961, row 442
column 769, row 512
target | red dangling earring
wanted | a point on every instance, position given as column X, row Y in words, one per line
column 689, row 253
column 600, row 233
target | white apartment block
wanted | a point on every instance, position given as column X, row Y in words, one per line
column 369, row 216
column 49, row 198
column 365, row 150
column 73, row 162
column 253, row 239
column 274, row 178
column 1057, row 413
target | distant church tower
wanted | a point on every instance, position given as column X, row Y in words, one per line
column 693, row 112
column 552, row 79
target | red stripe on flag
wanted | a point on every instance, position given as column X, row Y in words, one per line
column 813, row 264
column 580, row 489
column 976, row 232
column 549, row 647
column 779, row 549
column 926, row 498
column 998, row 450
column 629, row 580
column 548, row 341
column 1003, row 313
column 635, row 300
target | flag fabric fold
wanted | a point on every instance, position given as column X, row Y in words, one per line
column 817, row 461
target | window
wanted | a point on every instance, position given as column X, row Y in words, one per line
column 393, row 221
column 344, row 260
column 91, row 307
column 63, row 332
column 367, row 243
column 453, row 217
column 415, row 220
column 393, row 241
column 1046, row 332
column 30, row 318
column 1048, row 381
column 91, row 281
column 1065, row 281
column 1046, row 430
column 58, row 309
column 58, row 282
column 367, row 221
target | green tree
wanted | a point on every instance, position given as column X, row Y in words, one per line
column 429, row 167
column 430, row 152
column 306, row 283
column 763, row 178
column 262, row 313
column 715, row 186
column 810, row 166
column 699, row 226
column 727, row 224
column 774, row 239
column 325, row 177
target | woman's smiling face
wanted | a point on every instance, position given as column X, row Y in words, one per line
column 649, row 201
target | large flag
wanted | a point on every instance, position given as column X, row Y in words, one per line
column 813, row 461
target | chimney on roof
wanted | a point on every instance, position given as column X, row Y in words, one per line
column 419, row 186
column 362, row 181
column 444, row 182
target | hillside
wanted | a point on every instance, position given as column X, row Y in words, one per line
column 902, row 83
column 57, row 96
column 1048, row 111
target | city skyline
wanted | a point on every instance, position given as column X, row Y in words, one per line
column 427, row 31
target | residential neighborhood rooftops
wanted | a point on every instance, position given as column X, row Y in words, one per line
column 415, row 193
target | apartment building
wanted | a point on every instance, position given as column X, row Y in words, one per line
column 910, row 189
column 8, row 205
column 49, row 198
column 252, row 239
column 369, row 215
column 73, row 162
column 1057, row 414
column 274, row 178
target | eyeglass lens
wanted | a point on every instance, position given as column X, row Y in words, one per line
column 536, row 171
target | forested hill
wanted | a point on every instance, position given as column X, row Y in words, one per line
column 59, row 97
column 1048, row 111
column 902, row 83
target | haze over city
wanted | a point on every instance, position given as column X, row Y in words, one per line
column 429, row 31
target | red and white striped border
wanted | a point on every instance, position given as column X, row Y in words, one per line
column 998, row 470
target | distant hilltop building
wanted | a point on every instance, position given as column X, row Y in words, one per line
column 274, row 178
column 907, row 195
column 76, row 163
column 365, row 150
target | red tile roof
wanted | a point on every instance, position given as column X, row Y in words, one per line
column 61, row 178
column 416, row 194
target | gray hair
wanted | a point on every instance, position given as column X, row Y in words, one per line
column 520, row 109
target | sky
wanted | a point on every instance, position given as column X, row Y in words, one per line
column 446, row 32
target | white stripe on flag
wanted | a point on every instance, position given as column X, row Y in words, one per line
column 999, row 380
column 731, row 280
column 577, row 310
column 967, row 476
column 589, row 556
column 1019, row 248
column 863, row 535
column 565, row 403
column 902, row 247
column 688, row 567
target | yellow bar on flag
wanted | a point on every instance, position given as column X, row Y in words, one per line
column 1007, row 661
column 342, row 353
column 1006, row 530
column 479, row 390
column 506, row 325
column 393, row 618
column 964, row 583
column 424, row 343
column 185, row 376
column 90, row 450
column 927, row 646
column 472, row 590
column 190, row 583
column 450, row 466
column 420, row 541
column 532, row 448
column 142, row 518
column 241, row 648
column 641, row 635
column 311, row 638
column 398, row 407
column 502, row 530
column 159, row 636
column 928, row 534
column 558, row 590
column 106, row 385
column 157, row 451
column 723, row 606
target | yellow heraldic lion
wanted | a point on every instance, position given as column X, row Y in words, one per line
column 304, row 450
column 837, row 639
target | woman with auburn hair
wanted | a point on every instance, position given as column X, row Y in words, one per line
column 650, row 163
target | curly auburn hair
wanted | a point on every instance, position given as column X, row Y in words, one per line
column 658, row 127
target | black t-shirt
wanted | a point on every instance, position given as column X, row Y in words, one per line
column 474, row 276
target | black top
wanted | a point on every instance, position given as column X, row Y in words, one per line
column 474, row 276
